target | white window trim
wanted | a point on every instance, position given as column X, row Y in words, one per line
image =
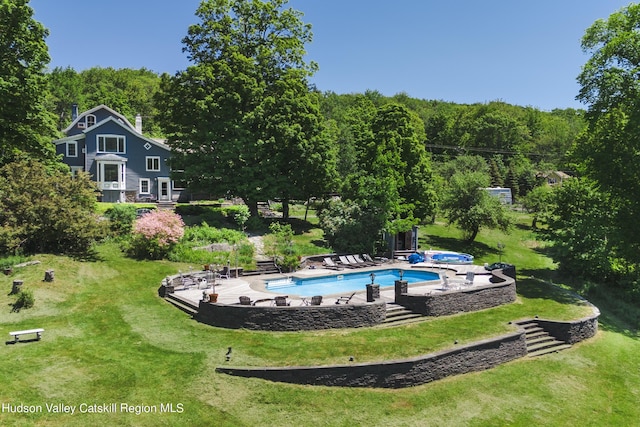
column 119, row 137
column 72, row 144
column 87, row 120
column 146, row 161
column 148, row 181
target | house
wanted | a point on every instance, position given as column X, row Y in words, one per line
column 126, row 165
column 554, row 177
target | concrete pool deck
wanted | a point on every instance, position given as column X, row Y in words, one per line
column 230, row 290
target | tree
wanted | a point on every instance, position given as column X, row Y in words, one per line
column 46, row 210
column 243, row 116
column 470, row 207
column 125, row 90
column 608, row 152
column 537, row 202
column 581, row 230
column 26, row 127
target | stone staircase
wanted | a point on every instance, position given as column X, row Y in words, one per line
column 182, row 303
column 399, row 315
column 539, row 341
column 263, row 267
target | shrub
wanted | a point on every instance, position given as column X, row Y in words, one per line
column 25, row 300
column 10, row 261
column 204, row 235
column 44, row 210
column 154, row 234
column 121, row 218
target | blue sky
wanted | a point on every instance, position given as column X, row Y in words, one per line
column 463, row 51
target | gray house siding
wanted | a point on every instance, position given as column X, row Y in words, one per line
column 125, row 164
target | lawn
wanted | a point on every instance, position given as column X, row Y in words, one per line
column 109, row 339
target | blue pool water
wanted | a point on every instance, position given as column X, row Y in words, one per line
column 346, row 282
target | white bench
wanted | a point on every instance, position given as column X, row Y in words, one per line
column 16, row 334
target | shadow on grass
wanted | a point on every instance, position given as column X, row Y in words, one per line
column 616, row 313
column 477, row 249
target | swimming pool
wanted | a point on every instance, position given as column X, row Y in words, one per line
column 346, row 282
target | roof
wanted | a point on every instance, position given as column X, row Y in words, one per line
column 126, row 126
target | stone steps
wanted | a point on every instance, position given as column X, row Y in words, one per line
column 398, row 315
column 182, row 303
column 539, row 341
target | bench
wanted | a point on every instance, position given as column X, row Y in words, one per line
column 37, row 331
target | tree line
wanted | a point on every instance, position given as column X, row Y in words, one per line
column 245, row 121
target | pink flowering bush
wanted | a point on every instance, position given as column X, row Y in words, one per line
column 155, row 233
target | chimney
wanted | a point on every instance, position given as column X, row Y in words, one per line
column 74, row 111
column 139, row 123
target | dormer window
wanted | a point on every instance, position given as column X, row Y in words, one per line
column 111, row 144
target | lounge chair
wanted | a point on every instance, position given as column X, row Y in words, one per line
column 187, row 281
column 345, row 261
column 361, row 261
column 256, row 302
column 368, row 258
column 328, row 263
column 316, row 300
column 352, row 259
column 281, row 301
column 345, row 299
column 245, row 300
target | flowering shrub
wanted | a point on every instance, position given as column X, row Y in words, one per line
column 155, row 233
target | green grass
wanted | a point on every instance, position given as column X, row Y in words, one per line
column 109, row 338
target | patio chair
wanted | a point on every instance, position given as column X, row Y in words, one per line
column 345, row 299
column 368, row 258
column 328, row 263
column 468, row 281
column 352, row 259
column 282, row 301
column 245, row 300
column 187, row 281
column 316, row 300
column 361, row 261
column 344, row 261
column 256, row 302
column 223, row 274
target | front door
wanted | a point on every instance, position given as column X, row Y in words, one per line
column 164, row 189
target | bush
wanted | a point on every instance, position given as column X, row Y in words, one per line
column 154, row 234
column 25, row 300
column 121, row 218
column 44, row 210
column 10, row 261
column 204, row 235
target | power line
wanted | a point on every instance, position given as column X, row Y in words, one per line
column 481, row 149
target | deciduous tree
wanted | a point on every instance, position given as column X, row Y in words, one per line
column 243, row 117
column 26, row 127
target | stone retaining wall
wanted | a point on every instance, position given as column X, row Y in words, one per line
column 475, row 298
column 573, row 331
column 478, row 356
column 299, row 318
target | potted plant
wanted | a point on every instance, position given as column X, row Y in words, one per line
column 213, row 298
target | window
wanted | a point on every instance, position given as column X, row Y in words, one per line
column 111, row 144
column 91, row 120
column 111, row 172
column 75, row 170
column 145, row 186
column 153, row 164
column 72, row 149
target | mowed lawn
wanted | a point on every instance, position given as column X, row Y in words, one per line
column 110, row 339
